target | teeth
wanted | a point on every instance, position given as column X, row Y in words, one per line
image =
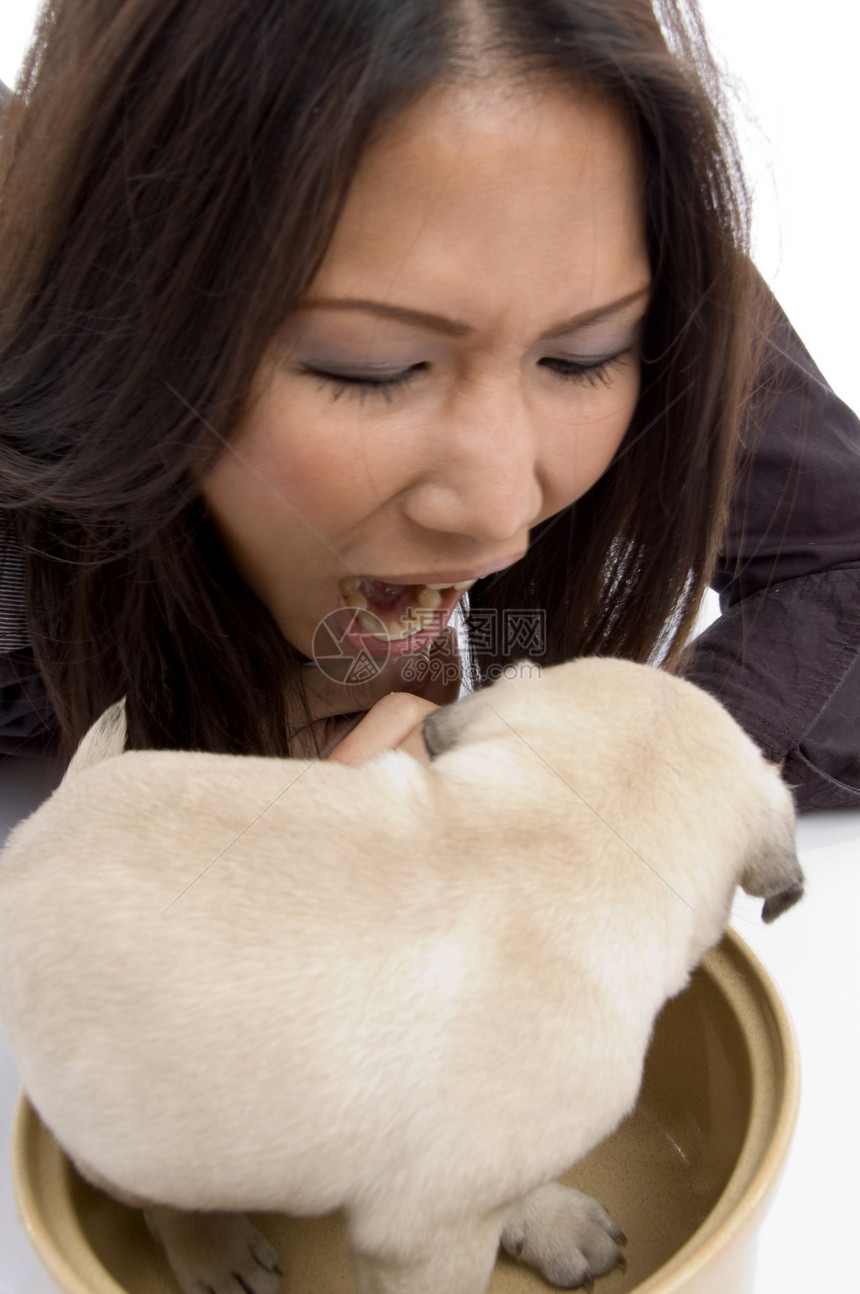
column 352, row 583
column 368, row 622
column 464, row 584
column 428, row 599
column 416, row 619
column 412, row 623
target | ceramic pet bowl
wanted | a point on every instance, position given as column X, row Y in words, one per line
column 688, row 1176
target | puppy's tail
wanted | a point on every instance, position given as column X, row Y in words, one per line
column 103, row 740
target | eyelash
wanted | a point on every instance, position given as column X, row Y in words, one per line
column 340, row 383
column 566, row 370
column 596, row 374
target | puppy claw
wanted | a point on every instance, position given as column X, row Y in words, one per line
column 564, row 1234
column 271, row 1265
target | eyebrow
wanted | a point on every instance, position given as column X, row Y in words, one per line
column 452, row 328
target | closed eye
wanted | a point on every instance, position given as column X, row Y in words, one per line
column 587, row 372
column 386, row 385
column 362, row 384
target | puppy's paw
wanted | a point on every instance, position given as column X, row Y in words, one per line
column 215, row 1253
column 564, row 1234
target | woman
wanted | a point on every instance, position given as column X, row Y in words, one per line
column 181, row 211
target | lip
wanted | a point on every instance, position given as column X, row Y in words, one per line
column 445, row 577
column 354, row 640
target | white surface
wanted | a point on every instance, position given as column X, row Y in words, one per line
column 811, row 953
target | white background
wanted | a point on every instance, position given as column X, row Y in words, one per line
column 797, row 96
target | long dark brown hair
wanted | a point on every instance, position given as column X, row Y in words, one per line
column 171, row 173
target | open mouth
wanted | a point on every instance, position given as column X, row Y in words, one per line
column 401, row 609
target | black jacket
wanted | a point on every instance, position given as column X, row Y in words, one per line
column 784, row 657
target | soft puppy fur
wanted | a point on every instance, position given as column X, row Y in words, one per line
column 414, row 993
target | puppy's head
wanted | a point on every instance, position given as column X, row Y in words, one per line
column 613, row 700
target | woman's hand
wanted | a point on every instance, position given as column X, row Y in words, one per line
column 394, row 723
column 351, row 724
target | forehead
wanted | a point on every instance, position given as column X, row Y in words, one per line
column 484, row 189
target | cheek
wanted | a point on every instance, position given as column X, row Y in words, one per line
column 259, row 496
column 245, row 512
column 588, row 446
column 280, row 468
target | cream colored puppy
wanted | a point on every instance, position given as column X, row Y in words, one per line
column 414, row 993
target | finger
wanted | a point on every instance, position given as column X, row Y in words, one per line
column 391, row 722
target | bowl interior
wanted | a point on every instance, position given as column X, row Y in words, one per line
column 719, row 1093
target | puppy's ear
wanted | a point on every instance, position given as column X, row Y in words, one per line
column 776, row 904
column 773, row 872
column 103, row 740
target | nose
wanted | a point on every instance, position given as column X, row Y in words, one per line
column 481, row 467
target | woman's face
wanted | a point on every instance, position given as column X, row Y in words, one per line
column 465, row 365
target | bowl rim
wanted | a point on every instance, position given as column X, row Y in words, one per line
column 42, row 1223
column 775, row 1095
column 731, row 966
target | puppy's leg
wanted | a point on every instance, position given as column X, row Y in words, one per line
column 215, row 1253
column 564, row 1234
column 210, row 1253
column 460, row 1261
